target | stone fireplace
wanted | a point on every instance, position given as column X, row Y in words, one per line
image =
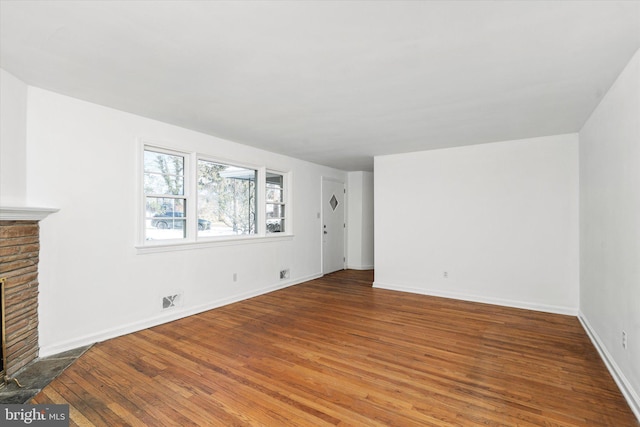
column 19, row 256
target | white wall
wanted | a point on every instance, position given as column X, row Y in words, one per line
column 501, row 219
column 13, row 143
column 93, row 283
column 360, row 220
column 610, row 228
column 368, row 212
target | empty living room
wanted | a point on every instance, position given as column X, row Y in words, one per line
column 310, row 213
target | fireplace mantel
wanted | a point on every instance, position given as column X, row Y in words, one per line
column 25, row 213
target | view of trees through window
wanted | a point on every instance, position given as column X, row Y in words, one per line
column 226, row 199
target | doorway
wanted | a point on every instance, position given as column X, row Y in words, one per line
column 333, row 225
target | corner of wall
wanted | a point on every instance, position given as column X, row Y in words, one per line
column 618, row 376
column 609, row 161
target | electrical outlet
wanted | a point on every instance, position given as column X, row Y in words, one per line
column 235, row 277
column 284, row 274
column 445, row 274
column 624, row 340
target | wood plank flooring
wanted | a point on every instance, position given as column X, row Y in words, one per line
column 335, row 351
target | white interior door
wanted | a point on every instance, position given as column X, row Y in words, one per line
column 333, row 226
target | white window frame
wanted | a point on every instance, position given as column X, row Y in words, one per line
column 285, row 202
column 187, row 196
column 192, row 241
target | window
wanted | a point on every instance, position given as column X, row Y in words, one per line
column 226, row 199
column 275, row 202
column 164, row 191
column 194, row 199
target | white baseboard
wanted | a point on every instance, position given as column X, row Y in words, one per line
column 571, row 311
column 359, row 267
column 106, row 334
column 624, row 385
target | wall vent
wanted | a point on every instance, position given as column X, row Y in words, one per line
column 284, row 274
column 171, row 301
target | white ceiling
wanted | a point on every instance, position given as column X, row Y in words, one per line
column 331, row 82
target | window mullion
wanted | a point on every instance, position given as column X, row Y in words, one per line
column 166, row 196
column 191, row 172
column 261, row 198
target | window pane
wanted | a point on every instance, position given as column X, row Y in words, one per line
column 163, row 184
column 163, row 173
column 275, row 187
column 163, row 163
column 274, row 194
column 275, row 179
column 275, row 226
column 165, row 218
column 275, row 210
column 226, row 199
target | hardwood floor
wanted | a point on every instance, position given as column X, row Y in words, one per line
column 335, row 351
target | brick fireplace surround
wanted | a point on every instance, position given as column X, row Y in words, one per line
column 19, row 250
column 19, row 256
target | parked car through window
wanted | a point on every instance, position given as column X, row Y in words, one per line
column 167, row 220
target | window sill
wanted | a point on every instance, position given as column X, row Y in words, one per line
column 210, row 243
